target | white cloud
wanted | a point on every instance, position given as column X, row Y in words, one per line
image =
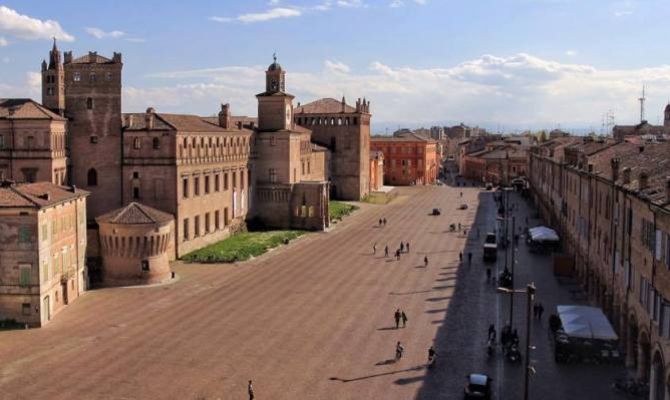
column 350, row 3
column 400, row 3
column 30, row 86
column 571, row 53
column 279, row 12
column 25, row 27
column 3, row 42
column 337, row 67
column 517, row 90
column 100, row 34
column 624, row 8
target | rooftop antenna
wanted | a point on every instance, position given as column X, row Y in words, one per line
column 642, row 100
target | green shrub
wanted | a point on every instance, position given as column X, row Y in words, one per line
column 338, row 210
column 241, row 247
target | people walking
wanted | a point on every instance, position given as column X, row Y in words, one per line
column 402, row 246
column 386, row 250
column 397, row 255
column 384, row 220
column 403, row 316
column 425, row 261
column 535, row 310
column 250, row 389
column 380, row 222
column 460, row 256
column 488, row 274
column 540, row 310
column 469, row 258
column 397, row 317
column 492, row 332
column 407, row 246
column 398, row 351
column 374, row 249
column 459, row 226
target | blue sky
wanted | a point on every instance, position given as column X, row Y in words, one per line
column 510, row 63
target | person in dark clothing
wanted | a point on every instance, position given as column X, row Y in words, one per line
column 380, row 222
column 384, row 219
column 425, row 261
column 540, row 310
column 374, row 249
column 492, row 332
column 535, row 307
column 386, row 250
column 488, row 274
column 398, row 351
column 397, row 255
column 397, row 317
column 250, row 389
column 469, row 258
column 407, row 246
column 402, row 247
column 404, row 318
column 460, row 256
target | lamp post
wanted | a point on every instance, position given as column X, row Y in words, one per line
column 530, row 292
column 511, row 292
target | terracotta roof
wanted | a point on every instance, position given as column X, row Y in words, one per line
column 324, row 106
column 179, row 122
column 26, row 109
column 410, row 137
column 92, row 59
column 135, row 214
column 37, row 195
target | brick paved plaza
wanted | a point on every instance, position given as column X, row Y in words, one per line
column 313, row 320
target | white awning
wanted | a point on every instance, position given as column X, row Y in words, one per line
column 586, row 322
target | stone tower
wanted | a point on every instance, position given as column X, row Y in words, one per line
column 666, row 119
column 275, row 106
column 93, row 99
column 53, row 82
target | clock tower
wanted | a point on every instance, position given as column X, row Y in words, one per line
column 275, row 106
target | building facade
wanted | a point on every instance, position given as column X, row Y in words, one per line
column 408, row 160
column 611, row 202
column 345, row 131
column 42, row 248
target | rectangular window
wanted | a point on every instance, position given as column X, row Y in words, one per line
column 225, row 217
column 196, row 228
column 242, row 180
column 89, row 103
column 25, row 309
column 206, row 184
column 234, row 179
column 225, row 181
column 272, row 175
column 137, row 143
column 185, row 229
column 206, row 222
column 108, row 76
column 45, row 271
column 136, row 192
column 184, row 188
column 76, row 77
column 94, row 139
column 91, row 77
column 24, row 234
column 2, row 142
column 196, row 186
column 24, row 275
column 217, row 183
column 217, row 221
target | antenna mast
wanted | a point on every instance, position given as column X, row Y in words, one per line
column 642, row 100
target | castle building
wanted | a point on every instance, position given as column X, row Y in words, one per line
column 345, row 131
column 42, row 250
column 32, row 143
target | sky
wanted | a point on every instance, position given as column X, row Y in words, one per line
column 501, row 64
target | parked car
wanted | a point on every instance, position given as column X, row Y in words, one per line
column 478, row 386
column 490, row 247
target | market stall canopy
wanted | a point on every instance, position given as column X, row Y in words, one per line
column 543, row 234
column 586, row 322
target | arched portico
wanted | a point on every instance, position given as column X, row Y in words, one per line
column 658, row 388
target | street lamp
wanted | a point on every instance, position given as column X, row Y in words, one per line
column 530, row 292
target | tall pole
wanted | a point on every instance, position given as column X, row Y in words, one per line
column 511, row 292
column 530, row 291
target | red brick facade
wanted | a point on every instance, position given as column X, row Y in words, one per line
column 408, row 160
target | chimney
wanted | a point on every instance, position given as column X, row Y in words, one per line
column 149, row 118
column 626, row 176
column 116, row 58
column 224, row 116
column 616, row 162
column 644, row 180
column 92, row 55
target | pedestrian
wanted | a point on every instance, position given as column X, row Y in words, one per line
column 380, row 222
column 386, row 250
column 250, row 389
column 402, row 247
column 384, row 221
column 460, row 256
column 374, row 249
column 425, row 261
column 398, row 351
column 535, row 308
column 397, row 317
column 465, row 232
column 404, row 318
column 469, row 258
column 407, row 246
column 492, row 332
column 461, row 194
column 488, row 274
column 540, row 310
column 459, row 226
column 397, row 255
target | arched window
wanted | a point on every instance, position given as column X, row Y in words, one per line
column 332, row 121
column 92, row 177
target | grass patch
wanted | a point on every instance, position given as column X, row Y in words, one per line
column 339, row 210
column 242, row 246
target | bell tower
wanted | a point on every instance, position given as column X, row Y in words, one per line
column 53, row 82
column 275, row 106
